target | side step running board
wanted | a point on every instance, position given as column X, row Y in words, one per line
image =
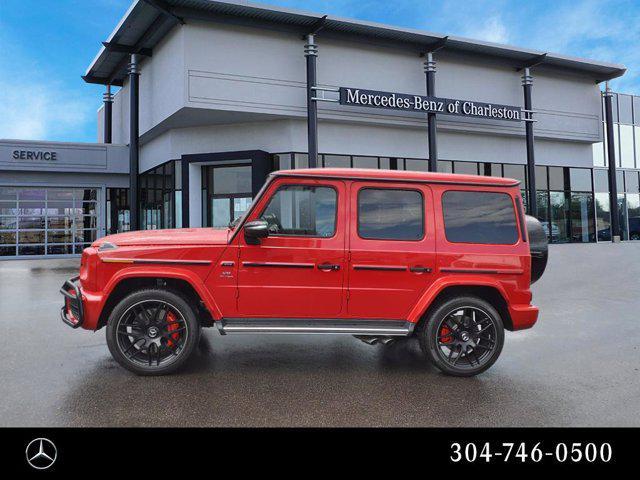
column 315, row 326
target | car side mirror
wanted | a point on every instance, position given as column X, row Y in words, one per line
column 255, row 230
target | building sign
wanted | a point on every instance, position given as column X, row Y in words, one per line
column 418, row 103
column 49, row 156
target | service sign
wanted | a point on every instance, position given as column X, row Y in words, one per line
column 418, row 103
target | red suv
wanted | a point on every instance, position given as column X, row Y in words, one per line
column 376, row 254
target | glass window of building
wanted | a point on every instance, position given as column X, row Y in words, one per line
column 226, row 193
column 633, row 215
column 622, row 216
column 158, row 188
column 542, row 201
column 118, row 212
column 418, row 165
column 390, row 214
column 598, row 154
column 559, row 216
column 302, row 211
column 542, row 182
column 47, row 221
column 620, row 181
column 603, row 216
column 631, row 182
column 515, row 171
column 580, row 179
column 479, row 217
column 336, row 161
column 365, row 162
column 465, row 168
column 600, row 180
column 301, row 160
column 582, row 217
column 627, row 159
column 636, row 131
column 557, row 179
column 445, row 166
column 616, row 142
column 625, row 108
column 282, row 161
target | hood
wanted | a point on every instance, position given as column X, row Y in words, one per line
column 178, row 236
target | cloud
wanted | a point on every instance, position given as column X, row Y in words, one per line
column 493, row 30
column 32, row 111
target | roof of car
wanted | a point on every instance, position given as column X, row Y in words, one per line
column 399, row 175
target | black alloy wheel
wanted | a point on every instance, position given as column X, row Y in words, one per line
column 463, row 336
column 152, row 332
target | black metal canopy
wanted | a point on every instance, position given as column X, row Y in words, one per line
column 148, row 21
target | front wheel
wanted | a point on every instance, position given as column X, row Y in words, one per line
column 462, row 336
column 152, row 332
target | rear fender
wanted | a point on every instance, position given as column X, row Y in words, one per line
column 439, row 285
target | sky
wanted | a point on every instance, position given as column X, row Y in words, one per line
column 46, row 45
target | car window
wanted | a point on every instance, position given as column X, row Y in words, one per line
column 479, row 217
column 390, row 214
column 302, row 211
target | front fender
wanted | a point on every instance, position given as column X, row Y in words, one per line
column 166, row 272
column 440, row 284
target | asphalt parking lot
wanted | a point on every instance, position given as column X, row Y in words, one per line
column 579, row 366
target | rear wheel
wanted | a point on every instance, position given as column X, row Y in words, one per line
column 152, row 332
column 462, row 336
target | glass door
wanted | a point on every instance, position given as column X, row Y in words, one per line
column 226, row 193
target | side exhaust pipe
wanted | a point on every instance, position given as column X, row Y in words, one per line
column 538, row 246
column 373, row 340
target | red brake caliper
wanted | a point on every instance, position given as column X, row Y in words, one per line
column 172, row 325
column 445, row 334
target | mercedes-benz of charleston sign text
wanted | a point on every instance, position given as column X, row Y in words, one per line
column 418, row 103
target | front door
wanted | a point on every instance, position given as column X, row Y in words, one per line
column 298, row 270
column 391, row 249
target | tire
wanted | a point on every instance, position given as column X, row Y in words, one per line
column 152, row 332
column 462, row 323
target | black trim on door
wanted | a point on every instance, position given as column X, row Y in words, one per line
column 386, row 268
column 278, row 265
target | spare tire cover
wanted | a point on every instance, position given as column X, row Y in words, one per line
column 539, row 247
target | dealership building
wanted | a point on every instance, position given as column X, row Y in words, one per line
column 204, row 98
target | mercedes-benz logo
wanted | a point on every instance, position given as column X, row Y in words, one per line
column 41, row 453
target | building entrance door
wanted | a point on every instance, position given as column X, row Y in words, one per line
column 226, row 193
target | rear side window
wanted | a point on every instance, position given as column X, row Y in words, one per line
column 390, row 214
column 479, row 217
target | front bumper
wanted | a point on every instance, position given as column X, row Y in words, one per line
column 72, row 312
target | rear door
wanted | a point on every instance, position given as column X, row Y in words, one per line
column 391, row 248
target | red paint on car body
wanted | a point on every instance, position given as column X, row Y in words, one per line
column 367, row 279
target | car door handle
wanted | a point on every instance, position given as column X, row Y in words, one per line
column 419, row 269
column 328, row 266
